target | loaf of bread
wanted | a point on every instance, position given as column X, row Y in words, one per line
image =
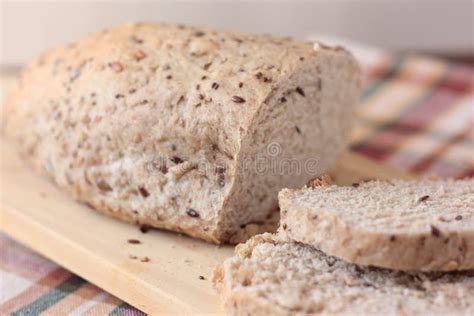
column 271, row 276
column 181, row 128
column 423, row 225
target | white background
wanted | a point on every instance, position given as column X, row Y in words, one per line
column 28, row 27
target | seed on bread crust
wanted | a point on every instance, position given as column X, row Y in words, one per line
column 192, row 212
column 300, row 91
column 116, row 66
column 104, row 186
column 143, row 192
column 139, row 55
column 435, row 231
column 238, row 99
column 199, row 33
column 424, row 198
column 176, row 160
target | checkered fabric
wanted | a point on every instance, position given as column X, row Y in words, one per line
column 416, row 114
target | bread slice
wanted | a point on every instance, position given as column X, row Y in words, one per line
column 271, row 276
column 183, row 128
column 424, row 225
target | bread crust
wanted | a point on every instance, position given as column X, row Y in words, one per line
column 436, row 239
column 149, row 123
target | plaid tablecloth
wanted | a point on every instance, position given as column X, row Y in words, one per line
column 416, row 114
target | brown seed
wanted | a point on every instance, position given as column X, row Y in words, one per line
column 104, row 186
column 283, row 100
column 423, row 198
column 458, row 217
column 300, row 91
column 435, row 231
column 392, row 238
column 201, row 277
column 145, row 259
column 215, row 85
column 355, row 185
column 144, row 229
column 169, row 77
column 241, row 84
column 192, row 212
column 119, row 96
column 258, row 75
column 176, row 160
column 206, row 66
column 163, row 169
column 143, row 192
column 139, row 55
column 203, row 77
column 297, row 129
column 137, row 138
column 238, row 99
column 199, row 34
column 134, row 241
column 116, row 66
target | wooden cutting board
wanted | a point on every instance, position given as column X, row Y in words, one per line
column 95, row 247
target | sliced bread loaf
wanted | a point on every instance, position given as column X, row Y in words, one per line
column 424, row 225
column 168, row 125
column 271, row 276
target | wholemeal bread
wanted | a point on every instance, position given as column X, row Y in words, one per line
column 272, row 276
column 181, row 128
column 424, row 225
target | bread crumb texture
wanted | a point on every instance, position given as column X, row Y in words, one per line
column 272, row 276
column 423, row 225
